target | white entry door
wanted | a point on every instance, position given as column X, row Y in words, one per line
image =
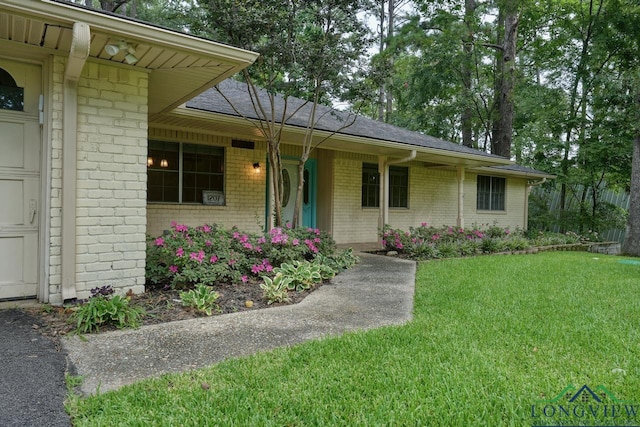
column 20, row 141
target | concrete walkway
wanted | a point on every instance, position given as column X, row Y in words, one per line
column 377, row 292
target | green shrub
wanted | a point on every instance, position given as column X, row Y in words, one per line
column 517, row 243
column 101, row 310
column 275, row 289
column 338, row 261
column 185, row 256
column 303, row 274
column 203, row 299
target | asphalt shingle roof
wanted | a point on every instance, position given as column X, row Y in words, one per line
column 329, row 120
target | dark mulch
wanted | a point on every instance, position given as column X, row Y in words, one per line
column 164, row 305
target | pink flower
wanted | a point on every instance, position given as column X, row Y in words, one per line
column 208, row 243
column 213, row 259
column 173, row 269
column 206, row 228
column 159, row 241
column 255, row 269
column 296, row 242
column 232, row 262
column 317, row 240
column 248, row 246
column 262, row 240
column 236, row 235
column 288, row 225
column 384, row 243
column 245, row 279
column 424, row 224
column 179, row 252
column 199, row 256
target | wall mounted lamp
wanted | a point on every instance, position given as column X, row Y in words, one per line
column 256, row 167
column 149, row 162
column 113, row 49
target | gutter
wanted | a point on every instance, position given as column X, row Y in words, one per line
column 78, row 55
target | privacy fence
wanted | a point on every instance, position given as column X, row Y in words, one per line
column 579, row 215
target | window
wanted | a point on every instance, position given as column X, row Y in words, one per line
column 491, row 192
column 398, row 186
column 370, row 186
column 179, row 173
column 11, row 96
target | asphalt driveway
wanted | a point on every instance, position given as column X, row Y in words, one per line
column 32, row 382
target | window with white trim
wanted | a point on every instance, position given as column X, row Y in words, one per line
column 491, row 193
column 398, row 186
column 179, row 172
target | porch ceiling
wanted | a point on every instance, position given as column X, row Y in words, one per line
column 180, row 66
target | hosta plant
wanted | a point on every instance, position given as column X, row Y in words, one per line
column 203, row 299
column 303, row 274
column 100, row 310
column 275, row 289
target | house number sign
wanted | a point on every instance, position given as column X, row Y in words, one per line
column 215, row 198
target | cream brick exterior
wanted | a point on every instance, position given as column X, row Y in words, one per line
column 111, row 179
column 433, row 198
column 245, row 190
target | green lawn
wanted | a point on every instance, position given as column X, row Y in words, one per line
column 491, row 338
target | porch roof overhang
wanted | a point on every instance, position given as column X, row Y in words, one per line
column 180, row 66
column 237, row 127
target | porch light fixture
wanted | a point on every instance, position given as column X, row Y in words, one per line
column 113, row 49
column 256, row 167
column 149, row 162
column 164, row 163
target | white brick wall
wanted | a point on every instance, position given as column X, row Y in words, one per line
column 244, row 189
column 512, row 217
column 351, row 222
column 433, row 198
column 111, row 179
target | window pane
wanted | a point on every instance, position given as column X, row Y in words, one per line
column 491, row 193
column 398, row 186
column 370, row 185
column 11, row 96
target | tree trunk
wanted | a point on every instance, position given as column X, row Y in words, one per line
column 631, row 244
column 467, row 112
column 504, row 131
column 388, row 92
column 381, row 47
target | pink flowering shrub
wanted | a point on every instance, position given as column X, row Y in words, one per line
column 425, row 242
column 207, row 254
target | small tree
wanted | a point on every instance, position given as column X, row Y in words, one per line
column 308, row 49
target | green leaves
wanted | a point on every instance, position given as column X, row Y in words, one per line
column 101, row 311
column 203, row 299
column 275, row 289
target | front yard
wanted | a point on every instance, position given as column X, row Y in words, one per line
column 495, row 340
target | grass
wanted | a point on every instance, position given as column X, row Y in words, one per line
column 491, row 337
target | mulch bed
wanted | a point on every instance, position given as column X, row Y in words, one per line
column 164, row 305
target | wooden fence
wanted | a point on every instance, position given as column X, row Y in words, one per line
column 617, row 198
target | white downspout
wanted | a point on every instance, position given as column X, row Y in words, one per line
column 525, row 221
column 78, row 55
column 384, row 177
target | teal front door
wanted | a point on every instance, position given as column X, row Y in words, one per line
column 290, row 184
